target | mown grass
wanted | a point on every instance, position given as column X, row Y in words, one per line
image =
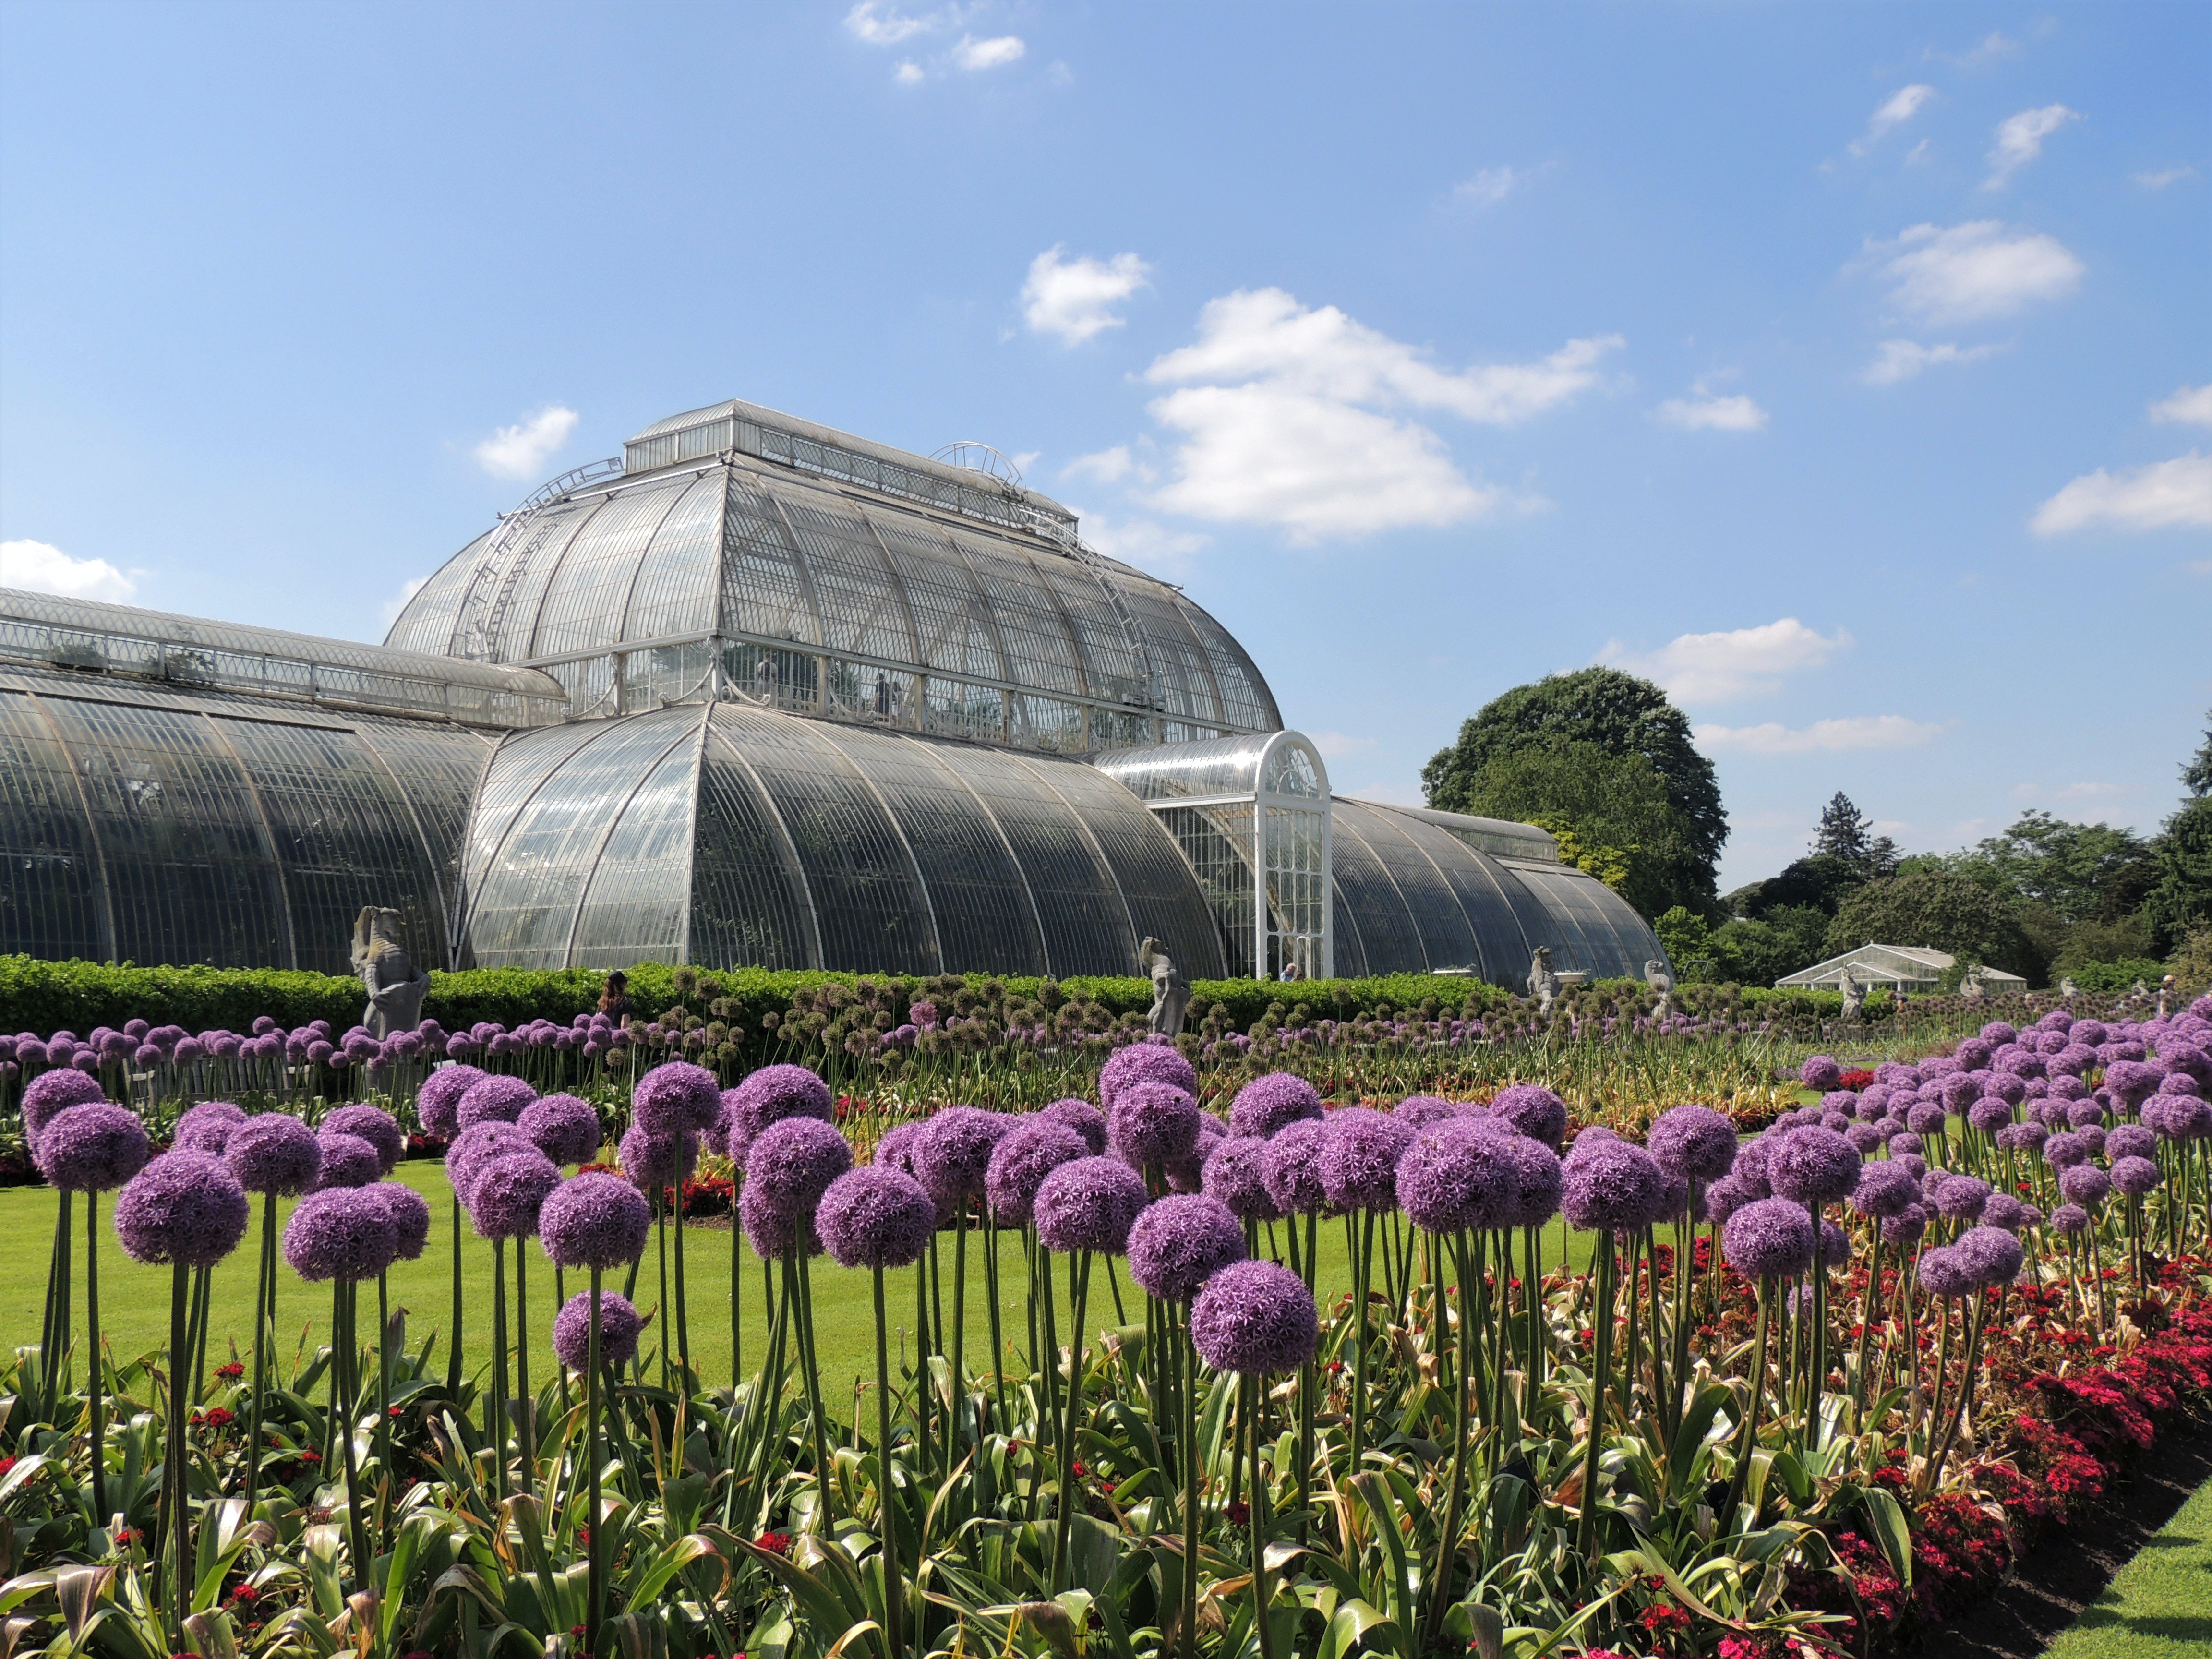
column 2160, row 1605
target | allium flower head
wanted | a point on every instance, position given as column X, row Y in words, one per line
column 476, row 1144
column 1993, row 1255
column 2070, row 1218
column 620, row 1327
column 876, row 1217
column 1178, row 1243
column 1945, row 1272
column 769, row 1096
column 2134, row 1176
column 93, row 1148
column 207, row 1127
column 952, row 1154
column 1770, row 1238
column 2131, row 1140
column 1533, row 1111
column 1235, row 1174
column 1089, row 1203
column 1084, row 1118
column 2003, row 1210
column 1694, row 1142
column 2084, row 1184
column 1540, row 1180
column 1143, row 1062
column 790, row 1164
column 410, row 1212
column 1989, row 1115
column 347, row 1161
column 184, row 1207
column 1814, row 1166
column 1884, row 1189
column 1611, row 1186
column 1268, row 1104
column 677, row 1097
column 508, row 1192
column 1461, row 1173
column 565, row 1128
column 896, row 1150
column 379, row 1129
column 273, row 1153
column 2064, row 1150
column 1359, row 1153
column 342, row 1233
column 1293, row 1167
column 1961, row 1197
column 1419, row 1111
column 498, row 1098
column 1028, row 1151
column 1905, row 1226
column 1820, row 1073
column 594, row 1220
column 1152, row 1122
column 52, row 1093
column 1187, row 1174
column 1255, row 1319
column 438, row 1102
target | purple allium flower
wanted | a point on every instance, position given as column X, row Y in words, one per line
column 1419, row 1111
column 2064, row 1150
column 1945, row 1272
column 565, row 1128
column 410, row 1213
column 1925, row 1120
column 206, row 1128
column 1178, row 1243
column 876, row 1217
column 677, row 1097
column 1359, row 1162
column 1255, row 1319
column 185, row 1207
column 1612, row 1185
column 1152, row 1122
column 790, row 1164
column 1235, row 1174
column 1993, row 1255
column 2185, row 1118
column 1539, row 1181
column 769, row 1096
column 347, row 1161
column 1835, row 1249
column 1030, row 1150
column 2131, row 1081
column 1898, row 1145
column 1084, row 1118
column 1960, row 1198
column 273, row 1153
column 620, row 1327
column 495, row 1099
column 2003, row 1210
column 896, row 1150
column 1724, row 1198
column 952, row 1154
column 476, row 1145
column 508, row 1192
column 1187, row 1174
column 2084, row 1184
column 1864, row 1136
column 2134, row 1176
column 1268, row 1104
column 1905, row 1226
column 594, row 1220
column 1293, row 1167
column 340, row 1232
column 1989, row 1115
column 52, row 1093
column 2092, row 1138
column 93, row 1148
column 1820, row 1073
column 2070, row 1218
column 1461, row 1173
column 2085, row 1114
column 1533, row 1111
column 438, row 1102
column 1694, row 1142
column 2131, row 1140
column 771, row 1232
column 655, row 1162
column 1814, row 1166
column 1769, row 1238
column 1089, row 1203
column 379, row 1129
column 1143, row 1062
column 1884, row 1189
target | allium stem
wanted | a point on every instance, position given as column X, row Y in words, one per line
column 176, row 1455
column 57, row 1278
column 1439, row 1577
column 683, row 1309
column 561, row 1301
column 1601, row 1368
column 797, row 1286
column 922, row 1385
column 1359, row 1232
column 595, row 1581
column 1532, row 1300
column 92, row 1321
column 495, row 1405
column 737, row 1288
column 453, row 1349
column 991, row 1292
column 1253, row 1389
column 1749, row 1442
column 265, row 1319
column 526, row 1436
column 1869, row 1303
column 959, row 1336
column 886, row 1479
column 1187, row 1625
column 1064, row 1527
column 356, row 1525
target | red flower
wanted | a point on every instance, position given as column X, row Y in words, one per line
column 231, row 1372
column 775, row 1543
column 218, row 1418
column 1240, row 1512
column 6, row 1464
column 245, row 1595
column 1076, row 1468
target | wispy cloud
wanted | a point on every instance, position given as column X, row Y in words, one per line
column 2020, row 140
column 1989, row 49
column 1701, row 413
column 1967, row 272
column 2030, row 791
column 1822, row 737
column 2191, row 405
column 42, row 567
column 1723, row 666
column 1074, row 298
column 879, row 24
column 1335, row 745
column 522, row 451
column 2160, row 496
column 1900, row 108
column 1143, row 543
column 2164, row 176
column 1488, row 187
column 1901, row 360
column 996, row 53
column 398, row 603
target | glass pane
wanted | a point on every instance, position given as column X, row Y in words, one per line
column 1385, row 932
column 748, row 903
column 50, row 879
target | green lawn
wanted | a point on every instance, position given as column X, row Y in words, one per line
column 135, row 1300
column 2160, row 1605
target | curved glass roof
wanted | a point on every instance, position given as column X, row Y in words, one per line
column 147, row 824
column 1221, row 767
column 722, row 835
column 769, row 550
column 1414, row 896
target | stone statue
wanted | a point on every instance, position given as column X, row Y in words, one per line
column 1543, row 983
column 395, row 985
column 1971, row 987
column 1854, row 995
column 1170, row 990
column 2067, row 987
column 1656, row 978
column 2165, row 994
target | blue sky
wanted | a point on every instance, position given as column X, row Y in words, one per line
column 1844, row 367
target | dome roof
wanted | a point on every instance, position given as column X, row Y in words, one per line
column 776, row 537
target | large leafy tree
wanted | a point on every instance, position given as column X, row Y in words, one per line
column 1924, row 904
column 2179, row 902
column 1600, row 709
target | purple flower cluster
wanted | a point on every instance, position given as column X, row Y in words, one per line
column 1268, row 1104
column 1152, row 1121
column 183, row 1207
column 49, row 1094
column 677, row 1098
column 342, row 1233
column 1769, row 1238
column 1292, row 1171
column 346, row 1161
column 438, row 1102
column 620, row 1327
column 1028, row 1151
column 1359, row 1162
column 1084, row 1118
column 1609, row 1184
column 1533, row 1111
column 769, row 1096
column 1089, row 1203
column 565, row 1128
column 509, row 1192
column 1152, row 1061
column 595, row 1220
column 378, row 1127
column 1179, row 1242
column 876, row 1217
column 790, row 1164
column 207, row 1127
column 274, row 1154
column 656, row 1162
column 1460, row 1174
column 1235, row 1174
column 93, row 1148
column 1255, row 1319
column 498, row 1098
column 1812, row 1165
column 1693, row 1142
column 952, row 1154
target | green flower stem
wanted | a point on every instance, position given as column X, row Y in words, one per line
column 176, row 1455
column 1601, row 1365
column 887, row 1480
column 1064, row 1525
column 798, row 1286
column 595, row 1583
column 1359, row 1230
column 495, row 1406
column 683, row 1310
column 998, row 1337
column 264, row 1318
column 1259, row 1523
column 1749, row 1441
column 1439, row 1577
column 1187, row 1626
column 525, row 1428
column 357, row 1523
column 453, row 1349
column 91, row 1319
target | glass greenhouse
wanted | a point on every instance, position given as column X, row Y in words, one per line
column 758, row 692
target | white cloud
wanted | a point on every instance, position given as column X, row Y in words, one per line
column 522, row 451
column 1075, row 298
column 1992, row 46
column 1972, row 270
column 41, row 568
column 972, row 54
column 1335, row 745
column 1488, row 187
column 908, row 74
column 398, row 603
column 2020, row 140
column 1855, row 731
column 1900, row 360
column 2190, row 403
column 1720, row 667
column 877, row 24
column 1109, row 466
column 1143, row 543
column 1902, row 106
column 2070, row 791
column 1703, row 414
column 2166, row 176
column 2153, row 497
column 1918, row 155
